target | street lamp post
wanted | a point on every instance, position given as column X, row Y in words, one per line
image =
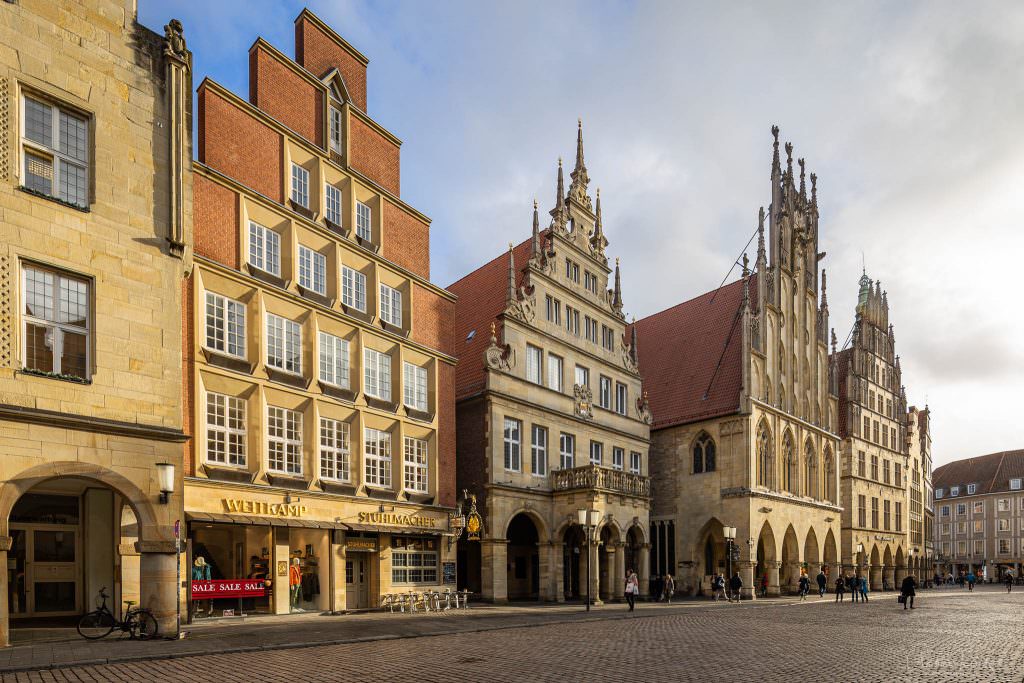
column 856, row 560
column 588, row 519
column 730, row 538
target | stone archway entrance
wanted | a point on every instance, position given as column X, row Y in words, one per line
column 574, row 563
column 790, row 579
column 523, row 558
column 69, row 529
column 767, row 564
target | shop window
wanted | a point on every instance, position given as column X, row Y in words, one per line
column 264, row 249
column 415, row 390
column 377, row 374
column 334, row 449
column 391, row 305
column 334, row 360
column 56, row 329
column 413, row 560
column 284, row 440
column 377, row 456
column 415, row 465
column 55, row 148
column 284, row 344
column 225, row 325
column 353, row 289
column 225, row 430
column 312, row 270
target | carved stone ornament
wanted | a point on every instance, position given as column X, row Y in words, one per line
column 174, row 34
column 584, row 401
column 643, row 410
column 499, row 356
column 755, row 332
column 524, row 308
column 769, row 284
column 627, row 358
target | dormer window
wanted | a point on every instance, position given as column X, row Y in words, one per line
column 954, row 491
column 939, row 493
column 1015, row 484
column 971, row 488
column 334, row 125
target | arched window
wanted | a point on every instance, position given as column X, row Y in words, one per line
column 790, row 474
column 830, row 479
column 765, row 458
column 810, row 471
column 703, row 454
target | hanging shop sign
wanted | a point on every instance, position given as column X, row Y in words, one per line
column 365, row 544
column 229, row 588
column 396, row 519
column 258, row 507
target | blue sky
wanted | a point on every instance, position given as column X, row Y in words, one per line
column 909, row 113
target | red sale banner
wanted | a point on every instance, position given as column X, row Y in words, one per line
column 228, row 588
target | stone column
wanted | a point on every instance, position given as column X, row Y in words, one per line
column 644, row 570
column 793, row 584
column 619, row 580
column 339, row 555
column 595, row 575
column 494, row 569
column 159, row 583
column 773, row 577
column 5, row 608
column 543, row 572
column 558, row 570
column 901, row 573
column 888, row 573
column 875, row 577
column 747, row 592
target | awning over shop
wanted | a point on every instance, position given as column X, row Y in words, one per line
column 400, row 530
column 260, row 520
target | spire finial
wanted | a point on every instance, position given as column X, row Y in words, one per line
column 746, row 264
column 789, row 160
column 598, row 241
column 762, row 258
column 824, row 290
column 835, row 341
column 580, row 179
column 511, row 295
column 814, row 190
column 803, row 183
column 558, row 217
column 535, row 245
column 617, row 292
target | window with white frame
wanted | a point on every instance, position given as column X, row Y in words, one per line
column 590, row 281
column 55, row 151
column 618, row 458
column 596, row 453
column 1015, row 484
column 512, row 442
column 572, row 270
column 604, row 394
column 225, row 325
column 353, row 288
column 944, row 529
column 1003, row 524
column 391, row 305
column 1003, row 505
column 961, row 548
column 979, row 507
column 364, row 221
column 572, row 320
column 979, row 548
column 415, row 390
column 634, row 462
column 225, row 430
column 415, row 465
column 284, row 344
column 539, row 451
column 971, row 488
column 377, row 457
column 534, row 363
column 312, row 270
column 332, row 204
column 334, row 449
column 334, row 128
column 264, row 249
column 554, row 372
column 334, row 360
column 284, row 440
column 944, row 511
column 954, row 491
column 582, row 376
column 1004, row 546
column 554, row 309
column 413, row 560
column 620, row 398
column 56, row 325
column 939, row 493
column 961, row 508
column 377, row 374
column 300, row 186
column 567, row 450
column 978, row 526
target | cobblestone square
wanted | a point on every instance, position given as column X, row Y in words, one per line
column 953, row 635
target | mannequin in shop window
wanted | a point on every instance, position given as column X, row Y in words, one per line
column 295, row 584
column 201, row 572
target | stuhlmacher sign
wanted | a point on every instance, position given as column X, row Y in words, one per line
column 396, row 519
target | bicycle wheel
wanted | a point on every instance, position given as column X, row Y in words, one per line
column 95, row 625
column 144, row 625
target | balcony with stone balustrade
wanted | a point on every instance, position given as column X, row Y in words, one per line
column 601, row 478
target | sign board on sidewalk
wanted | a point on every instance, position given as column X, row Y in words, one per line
column 448, row 572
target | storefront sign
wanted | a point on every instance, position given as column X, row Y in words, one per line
column 257, row 507
column 368, row 544
column 228, row 588
column 396, row 519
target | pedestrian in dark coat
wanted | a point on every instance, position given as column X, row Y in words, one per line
column 840, row 589
column 907, row 590
column 822, row 584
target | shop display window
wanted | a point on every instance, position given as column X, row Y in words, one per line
column 413, row 560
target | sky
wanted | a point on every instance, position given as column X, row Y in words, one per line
column 910, row 113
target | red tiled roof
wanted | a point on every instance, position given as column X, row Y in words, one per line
column 992, row 473
column 842, row 364
column 482, row 295
column 679, row 350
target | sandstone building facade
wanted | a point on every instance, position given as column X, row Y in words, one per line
column 318, row 356
column 877, row 476
column 745, row 430
column 95, row 197
column 551, row 418
column 979, row 515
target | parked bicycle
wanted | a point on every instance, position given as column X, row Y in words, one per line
column 139, row 623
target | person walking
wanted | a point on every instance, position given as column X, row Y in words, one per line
column 632, row 588
column 1008, row 580
column 852, row 585
column 822, row 583
column 907, row 591
column 735, row 584
column 971, row 579
column 805, row 586
column 668, row 588
column 840, row 588
column 863, row 588
column 764, row 585
column 718, row 588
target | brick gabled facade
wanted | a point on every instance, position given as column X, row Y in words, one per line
column 313, row 309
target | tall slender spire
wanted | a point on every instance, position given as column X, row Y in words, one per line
column 762, row 258
column 776, row 168
column 511, row 295
column 558, row 214
column 814, row 190
column 535, row 245
column 598, row 241
column 617, row 292
column 634, row 350
column 824, row 293
column 803, row 183
column 580, row 179
column 789, row 161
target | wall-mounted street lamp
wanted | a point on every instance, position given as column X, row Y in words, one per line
column 588, row 520
column 165, row 478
